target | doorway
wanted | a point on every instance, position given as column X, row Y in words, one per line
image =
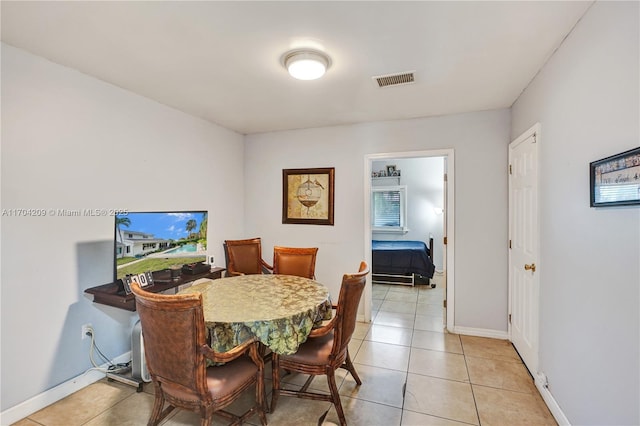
column 444, row 253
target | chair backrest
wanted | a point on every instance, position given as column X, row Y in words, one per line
column 347, row 311
column 173, row 330
column 244, row 256
column 295, row 261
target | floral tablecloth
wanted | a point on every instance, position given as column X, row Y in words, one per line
column 280, row 310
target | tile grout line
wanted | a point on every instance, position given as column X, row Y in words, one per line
column 473, row 394
column 406, row 375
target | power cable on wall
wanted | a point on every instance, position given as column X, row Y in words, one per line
column 111, row 368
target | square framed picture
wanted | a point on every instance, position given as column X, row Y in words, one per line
column 307, row 196
column 615, row 180
column 391, row 171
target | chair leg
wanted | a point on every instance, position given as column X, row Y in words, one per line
column 307, row 383
column 350, row 367
column 275, row 376
column 158, row 403
column 263, row 418
column 331, row 379
column 261, row 401
column 206, row 421
column 262, row 351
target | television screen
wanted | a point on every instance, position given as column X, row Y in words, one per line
column 157, row 241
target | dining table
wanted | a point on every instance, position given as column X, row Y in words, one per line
column 279, row 310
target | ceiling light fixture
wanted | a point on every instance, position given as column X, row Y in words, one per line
column 306, row 64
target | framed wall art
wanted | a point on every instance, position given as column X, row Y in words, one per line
column 391, row 171
column 615, row 180
column 307, row 196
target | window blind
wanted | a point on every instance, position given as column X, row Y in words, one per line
column 386, row 208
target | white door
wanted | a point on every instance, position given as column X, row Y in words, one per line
column 524, row 268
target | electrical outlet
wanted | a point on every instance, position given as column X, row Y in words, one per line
column 86, row 328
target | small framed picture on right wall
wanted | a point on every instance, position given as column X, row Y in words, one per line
column 615, row 180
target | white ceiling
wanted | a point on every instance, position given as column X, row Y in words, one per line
column 221, row 60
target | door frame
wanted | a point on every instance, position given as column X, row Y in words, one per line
column 535, row 132
column 448, row 255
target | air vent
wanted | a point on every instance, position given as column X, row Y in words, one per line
column 395, row 79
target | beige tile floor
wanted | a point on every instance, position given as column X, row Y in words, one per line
column 413, row 373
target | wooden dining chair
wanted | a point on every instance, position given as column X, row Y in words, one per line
column 326, row 349
column 244, row 257
column 177, row 352
column 296, row 261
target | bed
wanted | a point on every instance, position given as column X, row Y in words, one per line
column 402, row 262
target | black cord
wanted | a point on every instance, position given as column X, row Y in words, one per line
column 119, row 368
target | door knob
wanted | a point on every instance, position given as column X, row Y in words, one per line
column 531, row 267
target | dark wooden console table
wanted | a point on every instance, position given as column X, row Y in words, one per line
column 113, row 294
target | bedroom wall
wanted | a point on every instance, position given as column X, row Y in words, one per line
column 587, row 101
column 480, row 141
column 70, row 141
column 425, row 190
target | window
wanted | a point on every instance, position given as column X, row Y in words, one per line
column 388, row 211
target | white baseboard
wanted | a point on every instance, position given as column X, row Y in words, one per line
column 48, row 397
column 551, row 402
column 480, row 332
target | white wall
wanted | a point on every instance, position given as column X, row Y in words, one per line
column 425, row 190
column 480, row 141
column 70, row 141
column 587, row 101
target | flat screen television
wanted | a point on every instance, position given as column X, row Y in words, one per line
column 158, row 241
